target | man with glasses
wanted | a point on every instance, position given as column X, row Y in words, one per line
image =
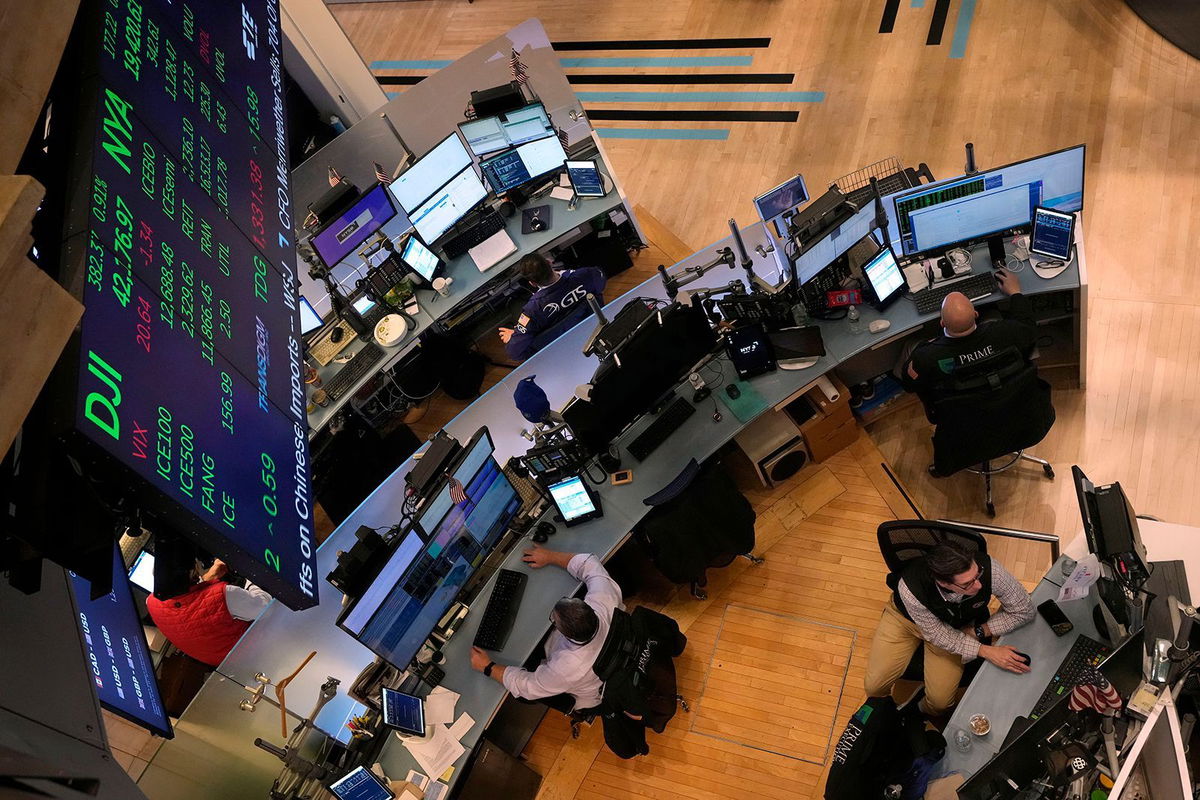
column 564, row 680
column 941, row 600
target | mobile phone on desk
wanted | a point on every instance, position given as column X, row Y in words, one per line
column 1055, row 618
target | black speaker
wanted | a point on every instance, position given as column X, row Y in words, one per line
column 507, row 209
column 785, row 462
column 497, row 100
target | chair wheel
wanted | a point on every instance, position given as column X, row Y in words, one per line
column 991, row 509
column 1049, row 470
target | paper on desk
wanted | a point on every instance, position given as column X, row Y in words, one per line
column 560, row 193
column 436, row 790
column 1086, row 572
column 436, row 752
column 417, row 779
column 439, row 706
column 461, row 725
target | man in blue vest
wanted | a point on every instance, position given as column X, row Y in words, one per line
column 941, row 601
column 559, row 295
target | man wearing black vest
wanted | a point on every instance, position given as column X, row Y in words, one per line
column 941, row 600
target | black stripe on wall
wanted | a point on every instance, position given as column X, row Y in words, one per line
column 400, row 80
column 662, row 44
column 938, row 23
column 706, row 77
column 693, row 116
column 888, row 22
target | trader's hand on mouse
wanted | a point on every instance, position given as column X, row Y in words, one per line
column 479, row 659
column 1004, row 656
column 538, row 557
column 505, row 334
column 1009, row 283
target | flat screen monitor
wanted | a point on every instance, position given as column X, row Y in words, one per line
column 528, row 162
column 448, row 205
column 940, row 215
column 141, row 574
column 1053, row 234
column 885, row 277
column 490, row 134
column 310, row 320
column 574, row 500
column 420, row 259
column 122, row 670
column 772, row 205
column 360, row 784
column 585, row 178
column 333, row 717
column 343, row 235
column 402, row 711
column 431, row 172
column 457, row 528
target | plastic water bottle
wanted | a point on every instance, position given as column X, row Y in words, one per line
column 855, row 319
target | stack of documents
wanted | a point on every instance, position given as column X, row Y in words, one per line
column 440, row 748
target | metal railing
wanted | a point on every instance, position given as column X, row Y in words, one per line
column 1013, row 533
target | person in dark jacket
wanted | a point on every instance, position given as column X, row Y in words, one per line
column 560, row 294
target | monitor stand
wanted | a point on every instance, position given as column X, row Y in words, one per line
column 996, row 251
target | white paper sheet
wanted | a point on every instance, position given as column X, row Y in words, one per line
column 461, row 726
column 1086, row 572
column 439, row 706
column 560, row 193
column 437, row 752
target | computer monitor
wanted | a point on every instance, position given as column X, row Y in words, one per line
column 122, row 671
column 402, row 711
column 1111, row 528
column 585, row 178
column 456, row 530
column 773, row 204
column 338, row 239
column 575, row 501
column 885, row 278
column 360, row 784
column 1053, row 233
column 448, row 205
column 935, row 217
column 490, row 134
column 310, row 320
column 333, row 716
column 526, row 163
column 141, row 574
column 429, row 173
column 420, row 259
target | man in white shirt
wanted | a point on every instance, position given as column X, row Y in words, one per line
column 580, row 627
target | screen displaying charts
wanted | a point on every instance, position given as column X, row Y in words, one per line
column 1052, row 234
column 185, row 256
column 360, row 784
column 530, row 160
column 420, row 258
column 884, row 274
column 341, row 237
column 431, row 172
column 448, row 205
column 572, row 499
column 585, row 178
column 122, row 671
column 403, row 711
column 489, row 134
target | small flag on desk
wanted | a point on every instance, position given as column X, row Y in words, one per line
column 457, row 493
column 381, row 175
column 334, row 177
column 1095, row 693
column 517, row 68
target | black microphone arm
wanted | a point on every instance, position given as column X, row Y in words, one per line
column 881, row 217
column 686, row 275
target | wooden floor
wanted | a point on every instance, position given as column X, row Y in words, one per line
column 1034, row 76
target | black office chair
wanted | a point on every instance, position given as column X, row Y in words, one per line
column 901, row 541
column 987, row 413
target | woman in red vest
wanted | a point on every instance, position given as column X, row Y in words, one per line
column 207, row 620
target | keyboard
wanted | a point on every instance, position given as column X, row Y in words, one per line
column 981, row 284
column 323, row 349
column 488, row 226
column 358, row 367
column 501, row 610
column 666, row 423
column 1078, row 666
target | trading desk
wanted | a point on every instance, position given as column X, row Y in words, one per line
column 281, row 638
column 467, row 280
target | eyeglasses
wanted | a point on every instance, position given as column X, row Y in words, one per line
column 965, row 586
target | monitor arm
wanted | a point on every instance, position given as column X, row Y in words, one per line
column 673, row 283
column 705, row 298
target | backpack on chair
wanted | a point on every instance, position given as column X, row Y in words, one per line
column 881, row 746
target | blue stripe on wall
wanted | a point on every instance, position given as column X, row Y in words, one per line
column 918, row 3
column 390, row 95
column 962, row 29
column 715, row 134
column 659, row 61
column 417, row 64
column 700, row 97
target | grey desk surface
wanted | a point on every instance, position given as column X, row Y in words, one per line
column 280, row 638
column 467, row 278
column 1003, row 696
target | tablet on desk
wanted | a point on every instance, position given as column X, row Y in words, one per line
column 585, row 178
column 361, row 784
column 404, row 712
column 575, row 501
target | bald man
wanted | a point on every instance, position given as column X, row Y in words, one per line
column 964, row 339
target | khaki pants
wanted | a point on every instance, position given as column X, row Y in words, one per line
column 896, row 639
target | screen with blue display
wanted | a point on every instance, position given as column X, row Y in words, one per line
column 959, row 210
column 527, row 162
column 1052, row 234
column 190, row 356
column 360, row 784
column 420, row 258
column 119, row 658
column 340, row 237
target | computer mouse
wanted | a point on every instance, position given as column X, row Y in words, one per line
column 1024, row 657
column 879, row 326
column 337, row 334
column 733, row 391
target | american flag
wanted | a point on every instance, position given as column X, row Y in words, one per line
column 457, row 493
column 381, row 175
column 310, row 220
column 517, row 68
column 1095, row 693
column 334, row 177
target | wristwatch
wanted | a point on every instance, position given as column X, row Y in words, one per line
column 488, row 669
column 979, row 633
